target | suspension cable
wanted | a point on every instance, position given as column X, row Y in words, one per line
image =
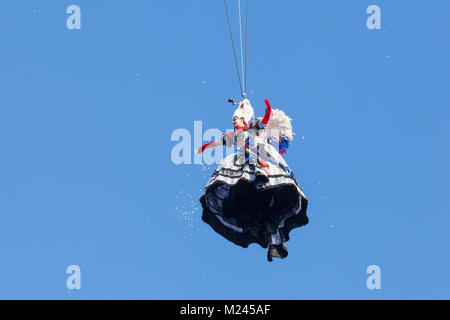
column 234, row 49
column 246, row 42
column 242, row 47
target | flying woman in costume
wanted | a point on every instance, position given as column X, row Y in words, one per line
column 253, row 196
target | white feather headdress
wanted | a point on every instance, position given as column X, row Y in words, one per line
column 245, row 110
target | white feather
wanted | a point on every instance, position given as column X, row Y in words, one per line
column 279, row 125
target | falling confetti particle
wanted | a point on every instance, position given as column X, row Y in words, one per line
column 187, row 208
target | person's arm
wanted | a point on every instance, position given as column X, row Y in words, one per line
column 212, row 144
column 266, row 118
column 226, row 139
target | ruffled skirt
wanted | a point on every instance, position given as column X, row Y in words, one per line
column 254, row 201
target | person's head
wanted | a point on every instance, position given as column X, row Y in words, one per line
column 238, row 122
column 243, row 114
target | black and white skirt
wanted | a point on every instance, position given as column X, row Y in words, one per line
column 247, row 202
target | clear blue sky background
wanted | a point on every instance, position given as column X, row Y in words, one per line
column 86, row 176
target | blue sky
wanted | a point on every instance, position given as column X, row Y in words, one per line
column 86, row 176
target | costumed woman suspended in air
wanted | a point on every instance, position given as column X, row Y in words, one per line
column 253, row 196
